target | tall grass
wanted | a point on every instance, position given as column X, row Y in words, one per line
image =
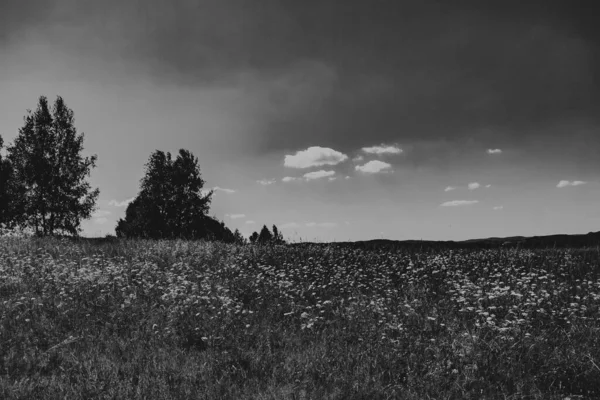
column 178, row 320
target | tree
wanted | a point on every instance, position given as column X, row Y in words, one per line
column 171, row 202
column 277, row 236
column 239, row 239
column 253, row 238
column 265, row 235
column 50, row 171
column 8, row 192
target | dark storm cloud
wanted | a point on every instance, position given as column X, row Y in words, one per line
column 366, row 72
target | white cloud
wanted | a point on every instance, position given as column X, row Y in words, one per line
column 373, row 167
column 382, row 149
column 347, row 177
column 266, row 182
column 220, row 189
column 100, row 221
column 123, row 203
column 563, row 184
column 474, row 185
column 235, row 216
column 289, row 179
column 494, row 151
column 449, row 188
column 332, row 178
column 250, row 222
column 358, row 158
column 318, row 174
column 314, row 157
column 498, row 208
column 456, row 203
column 100, row 213
column 488, row 186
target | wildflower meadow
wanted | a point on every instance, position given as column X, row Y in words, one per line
column 135, row 319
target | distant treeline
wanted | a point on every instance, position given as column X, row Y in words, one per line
column 591, row 239
column 44, row 188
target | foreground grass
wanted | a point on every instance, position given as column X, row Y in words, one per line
column 178, row 320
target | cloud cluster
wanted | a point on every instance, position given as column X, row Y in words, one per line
column 123, row 203
column 457, row 203
column 235, row 216
column 220, row 189
column 382, row 149
column 314, row 156
column 373, row 167
column 497, row 208
column 474, row 185
column 266, row 182
column 494, row 151
column 563, row 184
column 318, row 175
column 449, row 189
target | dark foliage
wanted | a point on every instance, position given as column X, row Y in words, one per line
column 50, row 193
column 239, row 239
column 8, row 192
column 265, row 236
column 277, row 236
column 253, row 238
column 171, row 203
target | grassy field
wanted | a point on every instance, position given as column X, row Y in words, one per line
column 183, row 320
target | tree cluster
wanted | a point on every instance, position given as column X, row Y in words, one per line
column 43, row 183
column 43, row 186
column 171, row 203
column 267, row 237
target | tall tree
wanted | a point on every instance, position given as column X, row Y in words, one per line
column 265, row 235
column 171, row 202
column 188, row 203
column 51, row 172
column 253, row 238
column 277, row 236
column 9, row 193
column 239, row 239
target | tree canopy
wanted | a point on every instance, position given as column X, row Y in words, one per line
column 171, row 202
column 47, row 174
column 8, row 192
column 266, row 237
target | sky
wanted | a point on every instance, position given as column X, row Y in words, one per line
column 334, row 120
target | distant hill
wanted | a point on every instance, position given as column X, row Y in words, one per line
column 591, row 239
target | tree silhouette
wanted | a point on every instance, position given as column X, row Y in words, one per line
column 277, row 236
column 253, row 238
column 50, row 172
column 8, row 193
column 239, row 239
column 265, row 235
column 171, row 202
